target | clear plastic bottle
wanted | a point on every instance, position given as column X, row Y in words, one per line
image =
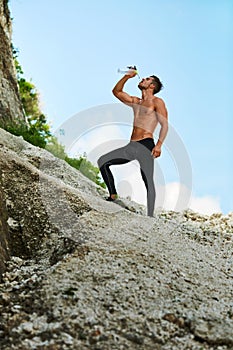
column 129, row 70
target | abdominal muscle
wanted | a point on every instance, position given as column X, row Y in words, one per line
column 144, row 128
column 139, row 134
column 145, row 122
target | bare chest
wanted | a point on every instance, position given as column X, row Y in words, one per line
column 144, row 109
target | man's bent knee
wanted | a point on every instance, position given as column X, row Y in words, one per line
column 100, row 162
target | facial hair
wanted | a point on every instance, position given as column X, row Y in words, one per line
column 140, row 87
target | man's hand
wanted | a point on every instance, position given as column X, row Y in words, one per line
column 131, row 73
column 156, row 151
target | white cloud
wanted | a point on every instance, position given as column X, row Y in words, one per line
column 172, row 196
column 94, row 138
column 205, row 205
column 175, row 191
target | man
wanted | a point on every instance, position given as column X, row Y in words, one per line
column 149, row 110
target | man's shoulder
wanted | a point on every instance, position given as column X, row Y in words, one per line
column 136, row 99
column 158, row 100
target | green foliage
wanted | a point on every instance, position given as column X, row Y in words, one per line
column 36, row 130
column 36, row 120
column 86, row 168
column 30, row 134
column 54, row 147
column 81, row 163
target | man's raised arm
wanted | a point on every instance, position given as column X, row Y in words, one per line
column 118, row 89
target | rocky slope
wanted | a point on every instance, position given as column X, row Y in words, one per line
column 87, row 274
column 4, row 235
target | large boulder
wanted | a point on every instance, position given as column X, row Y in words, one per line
column 88, row 274
column 38, row 205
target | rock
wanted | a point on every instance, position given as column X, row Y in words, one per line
column 31, row 224
column 83, row 273
column 26, row 327
column 10, row 104
column 4, row 234
column 174, row 319
column 214, row 331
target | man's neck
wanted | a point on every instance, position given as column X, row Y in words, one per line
column 146, row 95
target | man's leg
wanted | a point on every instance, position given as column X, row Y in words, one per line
column 147, row 177
column 146, row 162
column 119, row 156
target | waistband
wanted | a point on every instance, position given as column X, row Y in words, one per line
column 147, row 142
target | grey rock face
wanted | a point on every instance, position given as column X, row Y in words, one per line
column 10, row 105
column 38, row 204
column 88, row 274
column 4, row 234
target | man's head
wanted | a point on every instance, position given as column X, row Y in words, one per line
column 151, row 82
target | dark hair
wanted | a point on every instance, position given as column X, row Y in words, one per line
column 157, row 83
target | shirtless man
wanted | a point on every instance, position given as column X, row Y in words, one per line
column 148, row 112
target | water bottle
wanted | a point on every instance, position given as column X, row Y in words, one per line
column 130, row 70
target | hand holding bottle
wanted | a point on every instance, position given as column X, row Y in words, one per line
column 132, row 71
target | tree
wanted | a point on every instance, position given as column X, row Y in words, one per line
column 37, row 127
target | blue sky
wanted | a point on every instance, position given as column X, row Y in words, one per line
column 71, row 50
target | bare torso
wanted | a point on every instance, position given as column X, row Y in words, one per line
column 145, row 119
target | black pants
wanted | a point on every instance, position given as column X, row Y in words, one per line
column 139, row 150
